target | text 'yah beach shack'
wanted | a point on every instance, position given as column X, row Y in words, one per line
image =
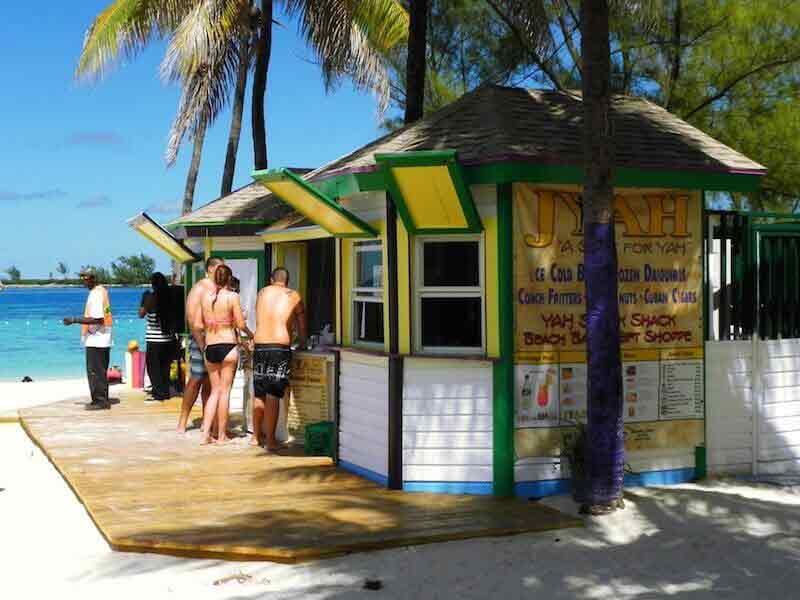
column 447, row 258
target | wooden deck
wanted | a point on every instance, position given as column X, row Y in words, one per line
column 149, row 489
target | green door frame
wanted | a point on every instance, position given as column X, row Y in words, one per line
column 258, row 255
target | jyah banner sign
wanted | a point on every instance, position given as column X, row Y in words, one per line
column 659, row 248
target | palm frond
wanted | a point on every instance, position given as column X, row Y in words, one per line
column 123, row 29
column 205, row 93
column 202, row 37
column 385, row 22
column 203, row 56
column 351, row 38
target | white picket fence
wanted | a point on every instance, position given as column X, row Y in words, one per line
column 753, row 406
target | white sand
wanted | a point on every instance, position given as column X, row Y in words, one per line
column 16, row 395
column 730, row 540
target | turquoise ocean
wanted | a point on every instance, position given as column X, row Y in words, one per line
column 34, row 342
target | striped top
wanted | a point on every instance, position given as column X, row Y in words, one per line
column 153, row 332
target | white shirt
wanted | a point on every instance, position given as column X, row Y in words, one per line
column 99, row 336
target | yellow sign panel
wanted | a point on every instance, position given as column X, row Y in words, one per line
column 659, row 249
column 308, row 399
column 654, row 435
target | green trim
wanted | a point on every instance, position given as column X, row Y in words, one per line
column 446, row 158
column 509, row 172
column 503, row 373
column 623, row 177
column 419, row 158
column 706, row 249
column 283, row 175
column 259, row 255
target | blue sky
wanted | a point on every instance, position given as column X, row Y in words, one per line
column 77, row 160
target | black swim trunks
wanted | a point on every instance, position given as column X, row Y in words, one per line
column 271, row 369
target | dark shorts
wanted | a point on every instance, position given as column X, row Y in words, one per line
column 271, row 370
column 197, row 363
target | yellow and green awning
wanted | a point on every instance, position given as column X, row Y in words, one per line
column 430, row 192
column 162, row 238
column 313, row 204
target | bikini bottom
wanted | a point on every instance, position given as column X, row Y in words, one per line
column 216, row 353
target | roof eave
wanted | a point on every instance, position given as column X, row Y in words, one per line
column 511, row 168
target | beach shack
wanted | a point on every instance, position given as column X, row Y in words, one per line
column 446, row 258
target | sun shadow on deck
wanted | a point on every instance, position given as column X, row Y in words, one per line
column 149, row 489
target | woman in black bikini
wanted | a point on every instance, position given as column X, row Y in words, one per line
column 219, row 318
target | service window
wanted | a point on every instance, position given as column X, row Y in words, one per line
column 448, row 295
column 368, row 293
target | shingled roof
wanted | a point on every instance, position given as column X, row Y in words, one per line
column 499, row 124
column 493, row 124
column 250, row 203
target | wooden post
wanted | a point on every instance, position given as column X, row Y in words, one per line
column 395, row 360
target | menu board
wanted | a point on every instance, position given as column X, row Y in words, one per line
column 554, row 394
column 572, row 399
column 682, row 389
column 537, row 396
column 659, row 241
column 308, row 398
column 640, row 391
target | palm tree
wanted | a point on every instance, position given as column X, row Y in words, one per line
column 605, row 458
column 243, row 68
column 207, row 37
column 605, row 448
column 416, row 60
column 62, row 269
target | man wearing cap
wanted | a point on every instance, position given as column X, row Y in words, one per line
column 96, row 337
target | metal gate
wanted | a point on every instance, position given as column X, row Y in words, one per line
column 752, row 265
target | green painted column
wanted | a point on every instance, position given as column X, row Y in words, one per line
column 503, row 404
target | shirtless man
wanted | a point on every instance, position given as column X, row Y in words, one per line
column 278, row 311
column 198, row 374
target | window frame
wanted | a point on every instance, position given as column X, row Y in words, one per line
column 365, row 294
column 420, row 291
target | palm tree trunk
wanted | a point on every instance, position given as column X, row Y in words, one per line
column 263, row 50
column 415, row 61
column 194, row 167
column 605, row 434
column 236, row 118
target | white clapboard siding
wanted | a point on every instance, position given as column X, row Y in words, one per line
column 447, row 439
column 779, row 412
column 447, row 421
column 450, row 473
column 779, row 467
column 363, row 411
column 729, row 406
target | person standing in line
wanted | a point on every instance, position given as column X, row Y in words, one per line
column 95, row 325
column 198, row 375
column 215, row 330
column 160, row 335
column 278, row 311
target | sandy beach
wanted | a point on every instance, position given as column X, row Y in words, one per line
column 15, row 395
column 700, row 541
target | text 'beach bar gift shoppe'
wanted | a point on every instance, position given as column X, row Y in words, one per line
column 445, row 259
